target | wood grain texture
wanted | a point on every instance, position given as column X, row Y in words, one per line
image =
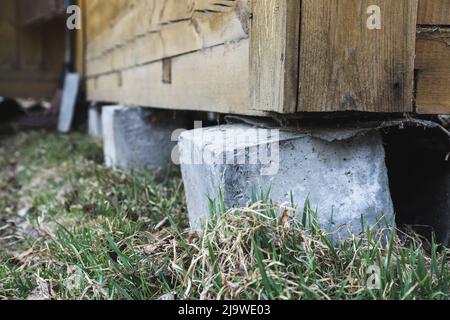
column 434, row 12
column 80, row 43
column 171, row 54
column 433, row 71
column 274, row 52
column 214, row 79
column 147, row 31
column 344, row 66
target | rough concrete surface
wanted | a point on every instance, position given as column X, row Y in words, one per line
column 95, row 122
column 132, row 140
column 343, row 172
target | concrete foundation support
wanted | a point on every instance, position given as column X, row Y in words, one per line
column 95, row 121
column 342, row 172
column 137, row 138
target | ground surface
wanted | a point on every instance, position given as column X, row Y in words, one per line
column 72, row 229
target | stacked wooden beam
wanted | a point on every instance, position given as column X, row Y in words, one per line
column 433, row 57
column 259, row 56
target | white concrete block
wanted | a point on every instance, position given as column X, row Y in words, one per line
column 132, row 140
column 95, row 122
column 342, row 172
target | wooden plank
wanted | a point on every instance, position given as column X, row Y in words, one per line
column 215, row 79
column 172, row 54
column 434, row 12
column 150, row 31
column 274, row 55
column 344, row 66
column 433, row 71
column 80, row 41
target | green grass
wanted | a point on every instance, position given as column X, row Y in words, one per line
column 87, row 232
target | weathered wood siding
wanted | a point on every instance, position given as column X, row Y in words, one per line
column 433, row 71
column 434, row 12
column 259, row 56
column 204, row 43
column 274, row 54
column 433, row 57
column 80, row 43
column 345, row 66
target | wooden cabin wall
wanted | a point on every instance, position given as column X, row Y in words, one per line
column 274, row 55
column 434, row 12
column 204, row 44
column 80, row 43
column 31, row 57
column 433, row 58
column 433, row 71
column 345, row 66
column 258, row 56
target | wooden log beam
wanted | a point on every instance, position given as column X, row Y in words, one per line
column 433, row 71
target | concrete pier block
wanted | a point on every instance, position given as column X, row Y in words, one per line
column 343, row 172
column 136, row 138
column 95, row 121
